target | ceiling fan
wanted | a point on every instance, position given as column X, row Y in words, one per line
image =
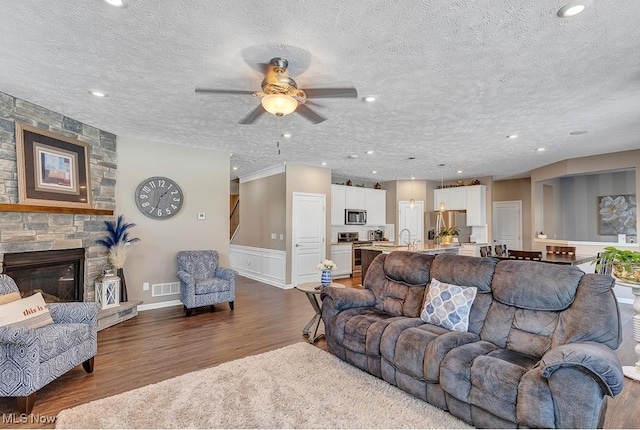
column 281, row 96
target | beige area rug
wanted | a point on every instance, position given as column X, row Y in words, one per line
column 298, row 386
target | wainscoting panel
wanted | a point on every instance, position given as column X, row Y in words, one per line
column 264, row 265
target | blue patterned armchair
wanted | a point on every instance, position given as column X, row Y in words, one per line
column 31, row 358
column 203, row 282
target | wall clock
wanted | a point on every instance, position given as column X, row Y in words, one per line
column 159, row 197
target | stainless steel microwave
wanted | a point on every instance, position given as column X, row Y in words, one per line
column 355, row 216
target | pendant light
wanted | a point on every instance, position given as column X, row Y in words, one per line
column 442, row 207
column 412, row 202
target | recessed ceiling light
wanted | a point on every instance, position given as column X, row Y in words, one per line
column 369, row 99
column 235, row 167
column 98, row 93
column 374, row 171
column 117, row 3
column 578, row 133
column 574, row 8
column 413, row 177
column 324, row 163
column 540, row 149
column 459, row 171
column 353, row 156
column 287, row 135
column 369, row 152
column 512, row 136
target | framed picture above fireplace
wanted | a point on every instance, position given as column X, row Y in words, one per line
column 52, row 169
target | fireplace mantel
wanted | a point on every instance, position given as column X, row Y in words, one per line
column 12, row 207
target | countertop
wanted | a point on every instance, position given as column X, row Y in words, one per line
column 424, row 248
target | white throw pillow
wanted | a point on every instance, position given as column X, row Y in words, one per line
column 448, row 305
column 31, row 312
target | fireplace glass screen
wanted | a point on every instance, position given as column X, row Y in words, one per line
column 56, row 274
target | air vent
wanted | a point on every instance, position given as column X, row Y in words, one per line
column 166, row 289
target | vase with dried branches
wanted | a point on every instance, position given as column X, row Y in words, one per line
column 118, row 243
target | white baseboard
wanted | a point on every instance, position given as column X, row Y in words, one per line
column 159, row 305
column 625, row 300
column 262, row 279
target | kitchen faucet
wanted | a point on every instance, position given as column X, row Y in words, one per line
column 408, row 239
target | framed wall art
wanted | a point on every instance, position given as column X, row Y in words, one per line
column 53, row 170
column 617, row 215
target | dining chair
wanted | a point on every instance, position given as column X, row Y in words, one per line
column 525, row 255
column 561, row 250
column 485, row 251
column 603, row 265
column 500, row 250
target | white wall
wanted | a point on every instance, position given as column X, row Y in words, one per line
column 203, row 176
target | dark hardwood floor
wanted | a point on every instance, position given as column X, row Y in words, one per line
column 162, row 343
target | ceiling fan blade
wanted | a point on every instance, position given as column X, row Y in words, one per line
column 215, row 91
column 309, row 114
column 253, row 115
column 320, row 93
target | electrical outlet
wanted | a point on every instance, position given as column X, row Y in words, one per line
column 273, row 235
column 145, row 286
column 281, row 236
column 202, row 215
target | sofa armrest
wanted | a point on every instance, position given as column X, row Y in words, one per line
column 347, row 298
column 441, row 346
column 226, row 273
column 595, row 359
column 75, row 312
column 22, row 336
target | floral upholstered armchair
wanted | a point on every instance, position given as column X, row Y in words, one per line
column 30, row 358
column 203, row 282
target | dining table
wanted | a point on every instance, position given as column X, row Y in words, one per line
column 549, row 257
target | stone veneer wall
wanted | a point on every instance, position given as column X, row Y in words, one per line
column 28, row 231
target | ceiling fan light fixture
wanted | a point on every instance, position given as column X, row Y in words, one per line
column 279, row 104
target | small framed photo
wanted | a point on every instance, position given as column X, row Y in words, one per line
column 52, row 169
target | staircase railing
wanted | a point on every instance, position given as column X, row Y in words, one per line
column 234, row 220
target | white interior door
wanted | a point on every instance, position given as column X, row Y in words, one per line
column 308, row 224
column 412, row 219
column 507, row 224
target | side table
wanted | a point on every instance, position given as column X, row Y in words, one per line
column 312, row 290
column 633, row 372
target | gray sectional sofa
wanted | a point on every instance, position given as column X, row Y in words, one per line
column 538, row 350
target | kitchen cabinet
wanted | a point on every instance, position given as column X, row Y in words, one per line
column 345, row 197
column 341, row 255
column 354, row 197
column 376, row 206
column 453, row 198
column 476, row 205
column 472, row 199
column 338, row 199
column 368, row 256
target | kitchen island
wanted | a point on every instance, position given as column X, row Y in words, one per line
column 371, row 252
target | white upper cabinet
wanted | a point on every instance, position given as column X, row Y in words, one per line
column 354, row 197
column 472, row 198
column 337, row 204
column 476, row 205
column 453, row 198
column 376, row 206
column 345, row 197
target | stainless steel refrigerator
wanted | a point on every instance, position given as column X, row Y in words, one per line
column 450, row 219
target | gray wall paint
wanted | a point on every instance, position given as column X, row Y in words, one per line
column 580, row 199
column 203, row 176
column 262, row 212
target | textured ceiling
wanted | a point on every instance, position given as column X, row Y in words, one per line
column 453, row 78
